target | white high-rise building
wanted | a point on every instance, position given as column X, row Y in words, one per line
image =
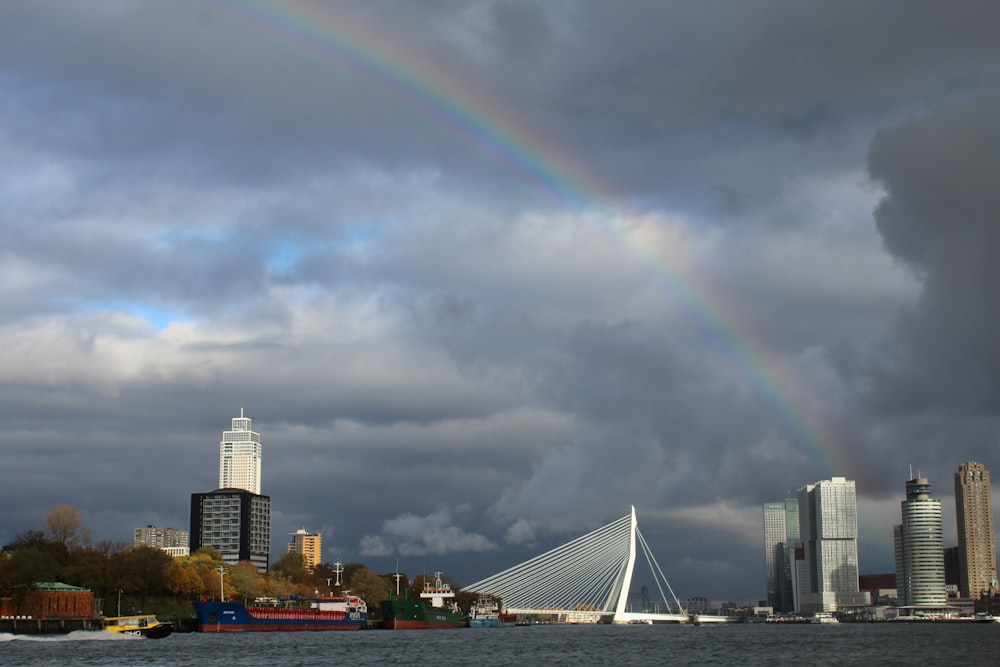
column 239, row 457
column 919, row 549
column 828, row 529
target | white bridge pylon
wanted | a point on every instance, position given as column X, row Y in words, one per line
column 585, row 580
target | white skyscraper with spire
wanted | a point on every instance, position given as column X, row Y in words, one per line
column 239, row 457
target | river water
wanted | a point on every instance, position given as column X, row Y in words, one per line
column 755, row 644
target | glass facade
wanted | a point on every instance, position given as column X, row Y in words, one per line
column 781, row 533
column 828, row 527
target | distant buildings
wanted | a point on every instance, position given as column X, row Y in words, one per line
column 239, row 457
column 781, row 534
column 811, row 557
column 174, row 542
column 977, row 563
column 310, row 545
column 919, row 550
column 828, row 528
column 235, row 519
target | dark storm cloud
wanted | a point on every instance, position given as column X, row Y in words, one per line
column 939, row 217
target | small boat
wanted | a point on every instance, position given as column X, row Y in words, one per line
column 823, row 618
column 142, row 625
column 430, row 612
column 485, row 613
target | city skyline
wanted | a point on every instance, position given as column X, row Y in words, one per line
column 489, row 273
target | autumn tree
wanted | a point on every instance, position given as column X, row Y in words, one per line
column 245, row 581
column 34, row 558
column 367, row 585
column 88, row 568
column 66, row 525
column 290, row 567
column 280, row 587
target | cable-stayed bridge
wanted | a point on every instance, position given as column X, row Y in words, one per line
column 587, row 580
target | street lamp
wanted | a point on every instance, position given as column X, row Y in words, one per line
column 119, row 602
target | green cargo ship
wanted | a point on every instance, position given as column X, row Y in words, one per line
column 431, row 612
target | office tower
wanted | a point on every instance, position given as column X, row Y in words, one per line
column 239, row 457
column 976, row 550
column 310, row 545
column 788, row 580
column 781, row 533
column 235, row 522
column 174, row 542
column 919, row 549
column 828, row 529
column 774, row 539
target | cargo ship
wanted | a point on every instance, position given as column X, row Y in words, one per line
column 431, row 612
column 346, row 612
column 485, row 613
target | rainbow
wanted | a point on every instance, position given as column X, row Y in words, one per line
column 334, row 38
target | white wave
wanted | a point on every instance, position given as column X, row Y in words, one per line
column 74, row 636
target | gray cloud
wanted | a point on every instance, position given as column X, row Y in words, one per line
column 938, row 218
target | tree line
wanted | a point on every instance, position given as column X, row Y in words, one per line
column 61, row 552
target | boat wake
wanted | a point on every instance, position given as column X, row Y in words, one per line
column 75, row 636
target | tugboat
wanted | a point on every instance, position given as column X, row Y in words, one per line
column 429, row 613
column 142, row 625
column 485, row 613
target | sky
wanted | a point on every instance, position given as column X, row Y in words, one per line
column 487, row 274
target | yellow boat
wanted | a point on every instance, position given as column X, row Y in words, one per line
column 143, row 625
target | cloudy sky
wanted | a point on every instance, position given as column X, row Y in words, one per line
column 485, row 274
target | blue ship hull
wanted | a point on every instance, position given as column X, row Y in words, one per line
column 236, row 617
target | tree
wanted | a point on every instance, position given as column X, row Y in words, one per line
column 66, row 525
column 183, row 581
column 245, row 581
column 290, row 566
column 368, row 586
column 88, row 568
column 33, row 558
column 279, row 587
column 206, row 554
